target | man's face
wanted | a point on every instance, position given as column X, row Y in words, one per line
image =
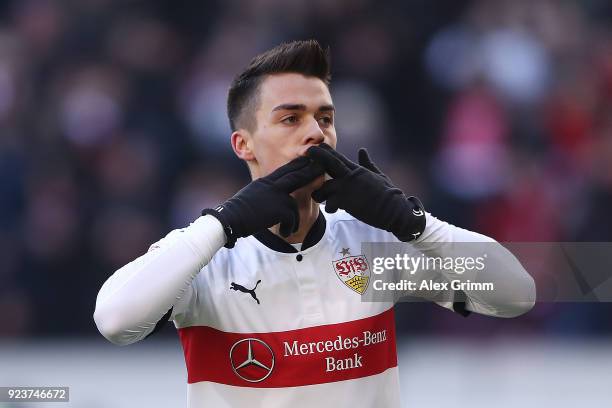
column 294, row 113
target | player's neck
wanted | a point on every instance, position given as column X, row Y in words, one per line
column 309, row 211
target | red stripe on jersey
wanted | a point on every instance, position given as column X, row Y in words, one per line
column 312, row 355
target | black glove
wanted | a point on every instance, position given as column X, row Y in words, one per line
column 266, row 202
column 367, row 194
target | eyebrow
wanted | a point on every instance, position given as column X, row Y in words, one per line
column 302, row 107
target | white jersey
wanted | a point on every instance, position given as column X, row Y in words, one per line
column 267, row 325
column 264, row 325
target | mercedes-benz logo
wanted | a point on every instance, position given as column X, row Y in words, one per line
column 252, row 360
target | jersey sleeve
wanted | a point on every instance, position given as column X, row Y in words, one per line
column 185, row 301
column 136, row 297
column 514, row 292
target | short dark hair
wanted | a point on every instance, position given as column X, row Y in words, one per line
column 302, row 57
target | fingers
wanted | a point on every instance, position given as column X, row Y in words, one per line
column 365, row 161
column 332, row 205
column 294, row 165
column 290, row 221
column 299, row 175
column 329, row 193
column 348, row 163
column 286, row 227
column 334, row 166
column 327, row 189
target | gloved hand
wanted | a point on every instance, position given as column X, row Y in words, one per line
column 367, row 194
column 266, row 202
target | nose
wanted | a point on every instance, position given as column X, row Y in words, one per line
column 314, row 134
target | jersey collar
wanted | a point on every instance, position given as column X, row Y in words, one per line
column 276, row 243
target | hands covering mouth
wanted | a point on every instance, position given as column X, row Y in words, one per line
column 266, row 201
column 360, row 189
column 363, row 191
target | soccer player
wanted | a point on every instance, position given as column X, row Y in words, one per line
column 265, row 289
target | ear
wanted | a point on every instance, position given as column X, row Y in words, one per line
column 242, row 143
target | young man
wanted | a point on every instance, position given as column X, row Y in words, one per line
column 265, row 289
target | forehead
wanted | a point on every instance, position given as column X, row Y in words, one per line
column 293, row 88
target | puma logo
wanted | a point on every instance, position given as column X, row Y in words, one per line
column 235, row 286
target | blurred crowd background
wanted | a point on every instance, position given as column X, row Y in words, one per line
column 113, row 131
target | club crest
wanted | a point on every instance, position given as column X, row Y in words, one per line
column 353, row 271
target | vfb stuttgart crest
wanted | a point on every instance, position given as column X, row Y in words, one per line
column 353, row 271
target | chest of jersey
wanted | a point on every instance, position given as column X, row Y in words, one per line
column 259, row 290
column 268, row 319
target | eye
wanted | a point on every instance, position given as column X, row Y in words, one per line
column 290, row 120
column 326, row 120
